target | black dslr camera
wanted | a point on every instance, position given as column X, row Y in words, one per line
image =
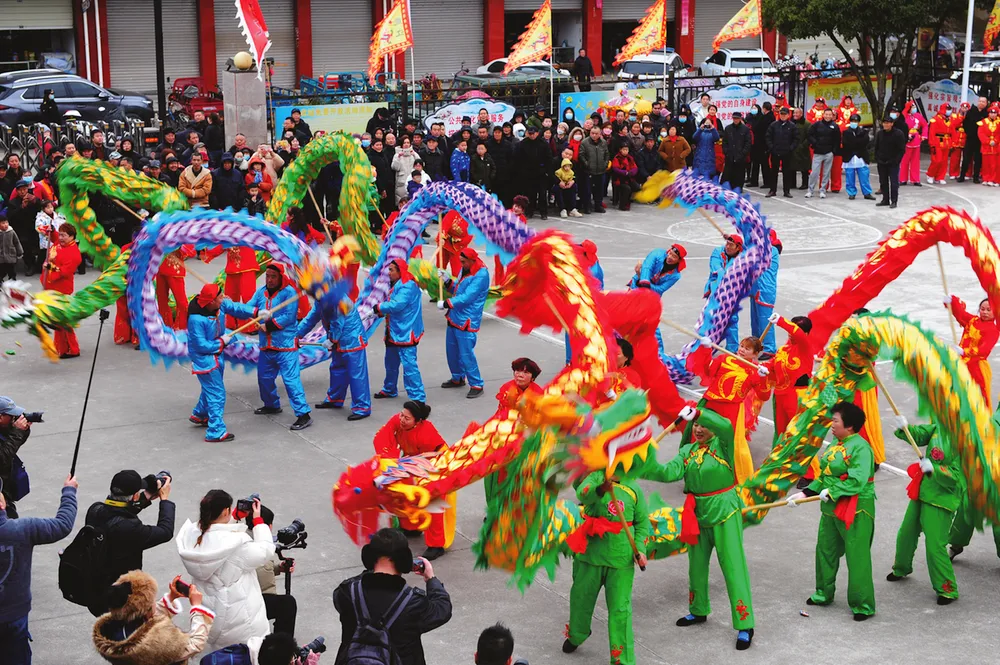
column 291, row 537
column 317, row 646
column 245, row 506
column 33, row 416
column 157, row 480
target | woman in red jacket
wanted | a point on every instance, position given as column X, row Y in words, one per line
column 979, row 336
column 410, row 433
column 57, row 274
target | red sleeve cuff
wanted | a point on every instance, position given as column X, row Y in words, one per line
column 257, row 521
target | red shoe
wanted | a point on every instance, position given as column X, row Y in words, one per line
column 222, row 439
column 200, row 422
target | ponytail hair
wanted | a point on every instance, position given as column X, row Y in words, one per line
column 212, row 505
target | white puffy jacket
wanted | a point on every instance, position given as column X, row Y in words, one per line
column 402, row 164
column 224, row 567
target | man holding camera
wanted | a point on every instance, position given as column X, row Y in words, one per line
column 386, row 595
column 15, row 428
column 118, row 518
column 281, row 608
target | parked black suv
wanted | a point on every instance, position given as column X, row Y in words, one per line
column 21, row 97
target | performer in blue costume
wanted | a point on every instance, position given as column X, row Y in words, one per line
column 660, row 270
column 717, row 265
column 765, row 291
column 345, row 336
column 278, row 347
column 591, row 263
column 465, row 316
column 404, row 326
column 206, row 340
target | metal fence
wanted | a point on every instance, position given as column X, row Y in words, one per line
column 26, row 141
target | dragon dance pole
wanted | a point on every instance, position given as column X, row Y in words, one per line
column 253, row 322
column 322, row 217
column 778, row 504
column 625, row 527
column 944, row 283
column 895, row 410
column 715, row 346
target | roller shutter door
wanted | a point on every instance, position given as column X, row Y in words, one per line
column 341, row 32
column 446, row 33
column 280, row 18
column 132, row 43
column 533, row 5
column 36, row 15
column 634, row 10
column 709, row 17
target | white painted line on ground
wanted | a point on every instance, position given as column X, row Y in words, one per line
column 975, row 208
column 892, row 469
column 818, row 211
column 617, row 229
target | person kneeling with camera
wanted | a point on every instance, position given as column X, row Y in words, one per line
column 282, row 609
column 139, row 629
column 275, row 649
column 378, row 607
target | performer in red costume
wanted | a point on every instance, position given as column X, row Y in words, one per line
column 958, row 138
column 979, row 336
column 410, row 433
column 509, row 396
column 989, row 139
column 456, row 238
column 939, row 138
column 58, row 275
column 170, row 279
column 241, row 276
column 518, row 208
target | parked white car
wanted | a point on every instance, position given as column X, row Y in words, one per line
column 496, row 67
column 651, row 67
column 738, row 63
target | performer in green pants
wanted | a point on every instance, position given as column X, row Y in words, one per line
column 935, row 492
column 604, row 557
column 965, row 522
column 847, row 516
column 711, row 520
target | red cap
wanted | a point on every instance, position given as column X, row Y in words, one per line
column 208, row 293
column 679, row 248
column 735, row 237
column 589, row 252
column 773, row 235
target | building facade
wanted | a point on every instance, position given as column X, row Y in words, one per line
column 112, row 41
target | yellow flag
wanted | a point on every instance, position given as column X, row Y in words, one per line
column 649, row 36
column 992, row 28
column 536, row 42
column 746, row 23
column 392, row 34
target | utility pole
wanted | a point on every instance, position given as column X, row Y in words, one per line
column 161, row 75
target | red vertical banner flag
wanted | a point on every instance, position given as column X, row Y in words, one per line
column 992, row 28
column 392, row 34
column 746, row 23
column 650, row 35
column 254, row 30
column 535, row 42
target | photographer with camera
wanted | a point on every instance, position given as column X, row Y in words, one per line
column 274, row 649
column 15, row 428
column 378, row 608
column 117, row 517
column 139, row 628
column 281, row 608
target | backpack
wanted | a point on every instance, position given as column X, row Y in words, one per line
column 234, row 654
column 370, row 644
column 85, row 566
column 19, row 485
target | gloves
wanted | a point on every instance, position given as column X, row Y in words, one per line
column 226, row 339
column 824, row 495
column 328, row 344
column 901, row 422
column 762, row 371
column 959, row 351
column 926, row 466
column 947, row 301
column 798, row 496
column 264, row 315
column 443, row 275
column 441, row 305
column 774, row 318
column 706, row 341
column 644, row 284
column 688, row 413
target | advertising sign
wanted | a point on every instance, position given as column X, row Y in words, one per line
column 833, row 90
column 452, row 114
column 932, row 94
column 586, row 103
column 734, row 98
column 350, row 118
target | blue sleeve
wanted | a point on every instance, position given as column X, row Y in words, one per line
column 396, row 303
column 598, row 272
column 476, row 289
column 44, row 531
column 201, row 339
column 308, row 323
column 285, row 318
column 240, row 310
column 652, row 265
column 665, row 282
column 715, row 271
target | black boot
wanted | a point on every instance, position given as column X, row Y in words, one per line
column 266, row 410
column 432, row 553
column 743, row 639
column 568, row 647
column 690, row 620
column 301, row 422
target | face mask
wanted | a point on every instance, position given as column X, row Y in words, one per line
column 753, row 111
column 913, row 109
column 854, row 125
column 893, row 115
column 682, row 119
column 365, row 143
column 560, row 133
column 663, row 135
column 569, row 115
column 632, row 118
column 947, row 114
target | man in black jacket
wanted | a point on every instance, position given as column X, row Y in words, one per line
column 759, row 125
column 118, row 517
column 736, row 144
column 386, row 558
column 14, row 432
column 583, row 71
column 502, row 151
column 890, row 143
column 855, row 141
column 227, row 185
column 385, row 178
column 824, row 139
column 973, row 147
column 781, row 138
column 532, row 158
column 435, row 160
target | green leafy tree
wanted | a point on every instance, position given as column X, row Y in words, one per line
column 877, row 38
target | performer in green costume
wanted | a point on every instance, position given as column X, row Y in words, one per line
column 935, row 492
column 847, row 519
column 711, row 519
column 965, row 522
column 604, row 557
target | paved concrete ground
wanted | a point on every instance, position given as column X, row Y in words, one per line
column 138, row 418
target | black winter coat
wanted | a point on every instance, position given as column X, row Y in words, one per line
column 889, row 146
column 824, row 137
column 385, row 178
column 758, row 128
column 532, row 158
column 969, row 124
column 502, row 152
column 855, row 143
column 736, row 143
column 227, row 187
column 11, row 440
column 782, row 137
column 425, row 611
column 435, row 163
column 649, row 162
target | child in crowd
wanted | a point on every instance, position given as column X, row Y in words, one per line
column 254, row 202
column 10, row 249
column 624, row 171
column 565, row 189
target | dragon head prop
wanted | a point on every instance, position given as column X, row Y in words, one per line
column 321, row 275
column 607, row 437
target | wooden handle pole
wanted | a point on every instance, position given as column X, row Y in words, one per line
column 129, row 210
column 322, row 217
column 253, row 322
column 778, row 504
column 895, row 410
column 763, row 333
column 626, row 529
column 440, row 259
column 944, row 283
column 691, row 333
column 711, row 221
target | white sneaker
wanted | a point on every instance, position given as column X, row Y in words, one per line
column 562, row 213
column 575, row 213
column 822, row 195
column 930, row 181
column 809, row 194
column 942, row 182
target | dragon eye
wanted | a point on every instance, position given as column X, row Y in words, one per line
column 357, row 490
